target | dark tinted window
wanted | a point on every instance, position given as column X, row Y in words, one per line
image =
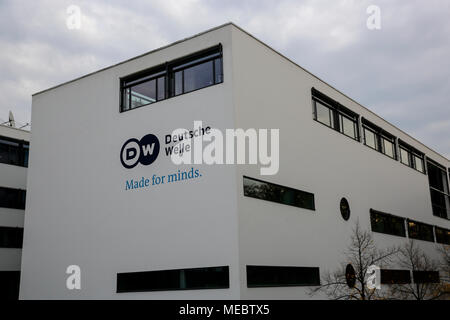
column 12, row 198
column 389, row 276
column 270, row 276
column 14, row 152
column 11, row 237
column 439, row 192
column 426, row 276
column 386, row 223
column 442, row 235
column 272, row 192
column 179, row 279
column 9, row 285
column 420, row 231
column 350, row 275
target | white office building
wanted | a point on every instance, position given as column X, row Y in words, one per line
column 14, row 146
column 139, row 226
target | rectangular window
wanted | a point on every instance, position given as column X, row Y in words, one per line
column 411, row 157
column 11, row 237
column 274, row 276
column 426, row 276
column 442, row 235
column 14, row 152
column 386, row 223
column 183, row 75
column 439, row 191
column 390, row 276
column 334, row 115
column 178, row 279
column 12, row 198
column 378, row 139
column 420, row 231
column 272, row 192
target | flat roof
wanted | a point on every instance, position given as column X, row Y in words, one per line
column 263, row 43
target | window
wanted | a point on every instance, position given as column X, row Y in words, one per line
column 390, row 276
column 272, row 192
column 179, row 279
column 9, row 285
column 183, row 75
column 274, row 276
column 378, row 139
column 426, row 276
column 440, row 197
column 411, row 157
column 14, row 152
column 442, row 235
column 420, row 231
column 11, row 237
column 387, row 223
column 12, row 198
column 334, row 115
column 345, row 209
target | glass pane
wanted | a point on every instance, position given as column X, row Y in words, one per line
column 218, row 70
column 178, row 82
column 348, row 127
column 323, row 114
column 404, row 156
column 161, row 88
column 126, row 99
column 370, row 138
column 26, row 151
column 199, row 76
column 388, row 148
column 143, row 94
column 419, row 163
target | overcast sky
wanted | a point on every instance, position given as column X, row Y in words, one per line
column 401, row 72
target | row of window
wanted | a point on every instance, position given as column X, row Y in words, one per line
column 14, row 151
column 390, row 276
column 334, row 115
column 12, row 198
column 389, row 224
column 264, row 190
column 215, row 278
column 171, row 79
column 11, row 237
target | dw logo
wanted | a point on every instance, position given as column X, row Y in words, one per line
column 144, row 151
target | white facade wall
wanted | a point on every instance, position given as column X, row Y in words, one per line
column 78, row 211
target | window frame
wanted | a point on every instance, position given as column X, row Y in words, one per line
column 23, row 146
column 337, row 114
column 420, row 225
column 167, row 71
column 446, row 237
column 380, row 135
column 281, row 270
column 388, row 215
column 412, row 153
column 442, row 192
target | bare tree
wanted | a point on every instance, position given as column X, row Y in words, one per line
column 413, row 258
column 444, row 251
column 360, row 254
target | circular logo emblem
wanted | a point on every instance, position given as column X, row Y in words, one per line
column 144, row 151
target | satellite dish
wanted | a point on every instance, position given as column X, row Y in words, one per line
column 12, row 122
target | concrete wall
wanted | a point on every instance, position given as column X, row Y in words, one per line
column 78, row 210
column 272, row 92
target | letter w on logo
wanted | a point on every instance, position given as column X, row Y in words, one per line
column 148, row 149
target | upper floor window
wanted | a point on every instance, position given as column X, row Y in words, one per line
column 12, row 198
column 378, row 139
column 442, row 235
column 387, row 223
column 334, row 115
column 11, row 237
column 439, row 190
column 411, row 157
column 180, row 76
column 14, row 152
